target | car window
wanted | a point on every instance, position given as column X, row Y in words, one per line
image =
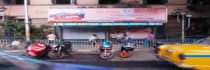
column 204, row 42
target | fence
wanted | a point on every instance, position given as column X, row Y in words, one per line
column 140, row 43
column 5, row 42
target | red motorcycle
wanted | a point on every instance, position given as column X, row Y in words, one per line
column 105, row 50
column 38, row 49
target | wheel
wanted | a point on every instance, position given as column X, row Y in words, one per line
column 68, row 51
column 61, row 55
column 106, row 56
column 53, row 54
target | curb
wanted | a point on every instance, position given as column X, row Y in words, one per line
column 15, row 58
column 73, row 51
column 91, row 51
column 13, row 51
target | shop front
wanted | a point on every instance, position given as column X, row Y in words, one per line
column 81, row 23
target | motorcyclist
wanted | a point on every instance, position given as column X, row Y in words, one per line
column 125, row 39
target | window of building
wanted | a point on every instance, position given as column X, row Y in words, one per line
column 109, row 1
column 201, row 5
column 64, row 1
column 19, row 2
column 13, row 2
column 155, row 1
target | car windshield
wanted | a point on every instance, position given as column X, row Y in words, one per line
column 204, row 42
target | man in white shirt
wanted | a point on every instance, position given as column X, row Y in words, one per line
column 93, row 39
column 51, row 38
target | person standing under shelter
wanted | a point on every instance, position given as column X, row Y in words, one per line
column 93, row 39
column 125, row 37
column 51, row 37
column 150, row 38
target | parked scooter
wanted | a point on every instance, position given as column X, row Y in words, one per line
column 127, row 49
column 105, row 50
column 59, row 51
column 37, row 49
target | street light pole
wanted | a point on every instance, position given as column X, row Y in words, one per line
column 72, row 2
column 177, row 13
column 27, row 29
column 183, row 29
column 178, row 20
column 188, row 15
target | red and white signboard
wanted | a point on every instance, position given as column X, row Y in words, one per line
column 70, row 15
column 134, row 32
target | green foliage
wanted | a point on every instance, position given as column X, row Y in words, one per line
column 132, row 4
column 91, row 7
column 18, row 28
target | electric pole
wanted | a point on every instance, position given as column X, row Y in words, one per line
column 27, row 28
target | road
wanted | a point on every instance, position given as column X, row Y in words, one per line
column 142, row 59
column 6, row 65
column 93, row 59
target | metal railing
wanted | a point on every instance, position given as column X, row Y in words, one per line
column 140, row 43
column 5, row 43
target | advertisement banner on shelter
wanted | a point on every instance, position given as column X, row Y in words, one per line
column 134, row 32
column 71, row 15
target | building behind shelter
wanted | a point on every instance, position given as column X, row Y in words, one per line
column 38, row 11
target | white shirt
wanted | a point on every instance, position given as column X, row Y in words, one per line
column 15, row 43
column 51, row 37
column 93, row 38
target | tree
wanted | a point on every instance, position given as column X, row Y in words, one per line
column 17, row 30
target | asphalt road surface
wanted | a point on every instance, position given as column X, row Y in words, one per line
column 5, row 65
column 93, row 59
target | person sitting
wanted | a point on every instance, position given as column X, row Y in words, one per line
column 93, row 39
column 51, row 38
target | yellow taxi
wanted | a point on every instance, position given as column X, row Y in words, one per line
column 188, row 56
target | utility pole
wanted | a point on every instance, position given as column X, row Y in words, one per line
column 189, row 15
column 183, row 27
column 72, row 2
column 27, row 28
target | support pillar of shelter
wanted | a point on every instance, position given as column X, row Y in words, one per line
column 59, row 32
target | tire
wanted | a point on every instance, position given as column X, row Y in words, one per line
column 61, row 52
column 69, row 51
column 102, row 56
column 53, row 54
column 61, row 55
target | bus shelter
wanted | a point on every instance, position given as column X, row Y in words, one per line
column 80, row 23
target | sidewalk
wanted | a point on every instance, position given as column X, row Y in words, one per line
column 139, row 54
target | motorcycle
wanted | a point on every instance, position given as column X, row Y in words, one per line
column 37, row 49
column 59, row 51
column 127, row 49
column 105, row 50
